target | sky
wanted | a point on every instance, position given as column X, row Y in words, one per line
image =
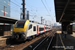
column 36, row 10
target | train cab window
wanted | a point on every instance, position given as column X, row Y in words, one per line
column 34, row 28
column 20, row 24
column 30, row 26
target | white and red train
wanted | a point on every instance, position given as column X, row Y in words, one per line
column 24, row 29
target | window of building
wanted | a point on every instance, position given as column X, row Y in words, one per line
column 4, row 1
column 34, row 28
column 30, row 26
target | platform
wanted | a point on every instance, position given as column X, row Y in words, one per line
column 3, row 40
column 63, row 43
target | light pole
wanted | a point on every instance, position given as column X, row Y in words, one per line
column 45, row 22
column 4, row 12
column 41, row 20
column 23, row 9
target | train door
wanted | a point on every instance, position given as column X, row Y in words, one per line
column 34, row 30
column 29, row 33
column 39, row 29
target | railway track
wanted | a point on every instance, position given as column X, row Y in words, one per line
column 47, row 38
column 20, row 45
column 43, row 44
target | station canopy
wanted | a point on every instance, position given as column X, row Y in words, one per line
column 4, row 19
column 65, row 10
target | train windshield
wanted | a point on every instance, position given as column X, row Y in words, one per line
column 20, row 24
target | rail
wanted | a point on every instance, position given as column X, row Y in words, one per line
column 44, row 40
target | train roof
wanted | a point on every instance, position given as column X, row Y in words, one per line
column 34, row 22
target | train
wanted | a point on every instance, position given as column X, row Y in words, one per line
column 25, row 29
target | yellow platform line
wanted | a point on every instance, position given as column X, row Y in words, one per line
column 62, row 42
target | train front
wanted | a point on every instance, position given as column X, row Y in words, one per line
column 19, row 30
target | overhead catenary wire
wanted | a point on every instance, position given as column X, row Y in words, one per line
column 15, row 4
column 33, row 10
column 45, row 6
column 48, row 7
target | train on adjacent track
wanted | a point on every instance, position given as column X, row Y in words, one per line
column 24, row 29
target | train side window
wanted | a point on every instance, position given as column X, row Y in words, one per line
column 30, row 26
column 34, row 28
column 46, row 27
column 41, row 29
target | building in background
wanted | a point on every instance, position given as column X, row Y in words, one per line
column 5, row 8
column 55, row 24
column 5, row 11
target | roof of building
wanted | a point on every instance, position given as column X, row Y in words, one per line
column 4, row 19
column 65, row 10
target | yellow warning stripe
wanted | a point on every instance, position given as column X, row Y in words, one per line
column 62, row 42
column 26, row 24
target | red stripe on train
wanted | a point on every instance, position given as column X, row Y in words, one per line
column 37, row 30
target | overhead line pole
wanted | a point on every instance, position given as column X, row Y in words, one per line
column 23, row 9
column 4, row 12
column 41, row 20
